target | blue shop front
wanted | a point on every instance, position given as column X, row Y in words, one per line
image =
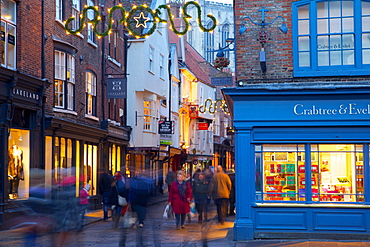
column 302, row 160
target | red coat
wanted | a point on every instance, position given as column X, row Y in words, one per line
column 178, row 205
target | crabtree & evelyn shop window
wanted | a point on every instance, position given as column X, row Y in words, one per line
column 332, row 173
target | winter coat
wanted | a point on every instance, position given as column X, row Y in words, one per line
column 105, row 182
column 118, row 188
column 220, row 186
column 200, row 190
column 140, row 190
column 179, row 205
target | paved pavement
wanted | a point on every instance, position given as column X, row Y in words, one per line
column 162, row 233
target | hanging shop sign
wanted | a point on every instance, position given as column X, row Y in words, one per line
column 193, row 111
column 165, row 139
column 116, row 88
column 202, row 126
column 165, row 127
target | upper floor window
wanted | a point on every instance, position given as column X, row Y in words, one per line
column 76, row 8
column 330, row 39
column 90, row 16
column 59, row 10
column 161, row 66
column 148, row 115
column 112, row 41
column 8, row 34
column 151, row 59
column 209, row 44
column 90, row 93
column 64, row 80
column 225, row 35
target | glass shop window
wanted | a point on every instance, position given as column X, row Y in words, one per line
column 19, row 164
column 335, row 173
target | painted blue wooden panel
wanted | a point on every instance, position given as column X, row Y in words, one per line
column 339, row 220
column 276, row 219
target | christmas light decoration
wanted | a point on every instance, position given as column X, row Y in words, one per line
column 141, row 15
column 211, row 106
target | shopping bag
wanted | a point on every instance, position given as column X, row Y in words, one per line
column 168, row 212
column 129, row 219
column 122, row 201
column 164, row 188
column 193, row 210
column 124, row 210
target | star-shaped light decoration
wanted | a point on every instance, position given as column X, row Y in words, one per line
column 141, row 20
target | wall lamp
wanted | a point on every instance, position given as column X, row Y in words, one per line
column 263, row 36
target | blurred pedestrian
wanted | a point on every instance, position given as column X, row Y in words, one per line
column 232, row 195
column 65, row 207
column 105, row 182
column 170, row 178
column 220, row 188
column 200, row 192
column 180, row 197
column 139, row 196
column 118, row 187
column 84, row 201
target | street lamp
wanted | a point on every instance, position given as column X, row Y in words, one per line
column 263, row 36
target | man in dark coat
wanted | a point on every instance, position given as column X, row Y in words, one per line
column 105, row 182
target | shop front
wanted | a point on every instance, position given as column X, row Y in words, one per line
column 302, row 160
column 20, row 138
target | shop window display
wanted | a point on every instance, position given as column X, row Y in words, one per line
column 335, row 175
column 18, row 164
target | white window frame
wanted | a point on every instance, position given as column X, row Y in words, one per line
column 59, row 10
column 9, row 28
column 90, row 93
column 151, row 59
column 64, row 80
column 90, row 16
column 148, row 116
column 161, row 66
column 76, row 9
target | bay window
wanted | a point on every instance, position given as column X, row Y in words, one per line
column 64, row 80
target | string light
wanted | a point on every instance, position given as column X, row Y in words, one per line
column 212, row 106
column 144, row 13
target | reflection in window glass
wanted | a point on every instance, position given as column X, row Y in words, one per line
column 337, row 173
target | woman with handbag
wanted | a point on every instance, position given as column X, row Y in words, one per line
column 179, row 198
column 116, row 200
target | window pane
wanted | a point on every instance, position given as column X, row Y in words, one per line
column 303, row 43
column 304, row 59
column 347, row 24
column 335, row 58
column 366, row 56
column 347, row 8
column 335, row 42
column 322, row 26
column 348, row 41
column 303, row 12
column 366, row 40
column 335, row 25
column 323, row 58
column 8, row 11
column 303, row 27
column 335, row 9
column 365, row 8
column 11, row 46
column 322, row 9
column 365, row 23
column 322, row 43
column 348, row 57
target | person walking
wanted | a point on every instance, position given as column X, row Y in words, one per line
column 219, row 189
column 180, row 197
column 84, row 201
column 118, row 188
column 170, row 177
column 139, row 196
column 105, row 182
column 200, row 192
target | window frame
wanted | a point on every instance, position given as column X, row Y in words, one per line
column 148, row 117
column 66, row 65
column 59, row 10
column 90, row 90
column 151, row 59
column 5, row 25
column 336, row 70
column 161, row 66
column 209, row 41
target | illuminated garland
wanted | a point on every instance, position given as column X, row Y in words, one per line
column 127, row 16
column 213, row 105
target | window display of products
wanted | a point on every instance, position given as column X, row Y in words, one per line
column 336, row 172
